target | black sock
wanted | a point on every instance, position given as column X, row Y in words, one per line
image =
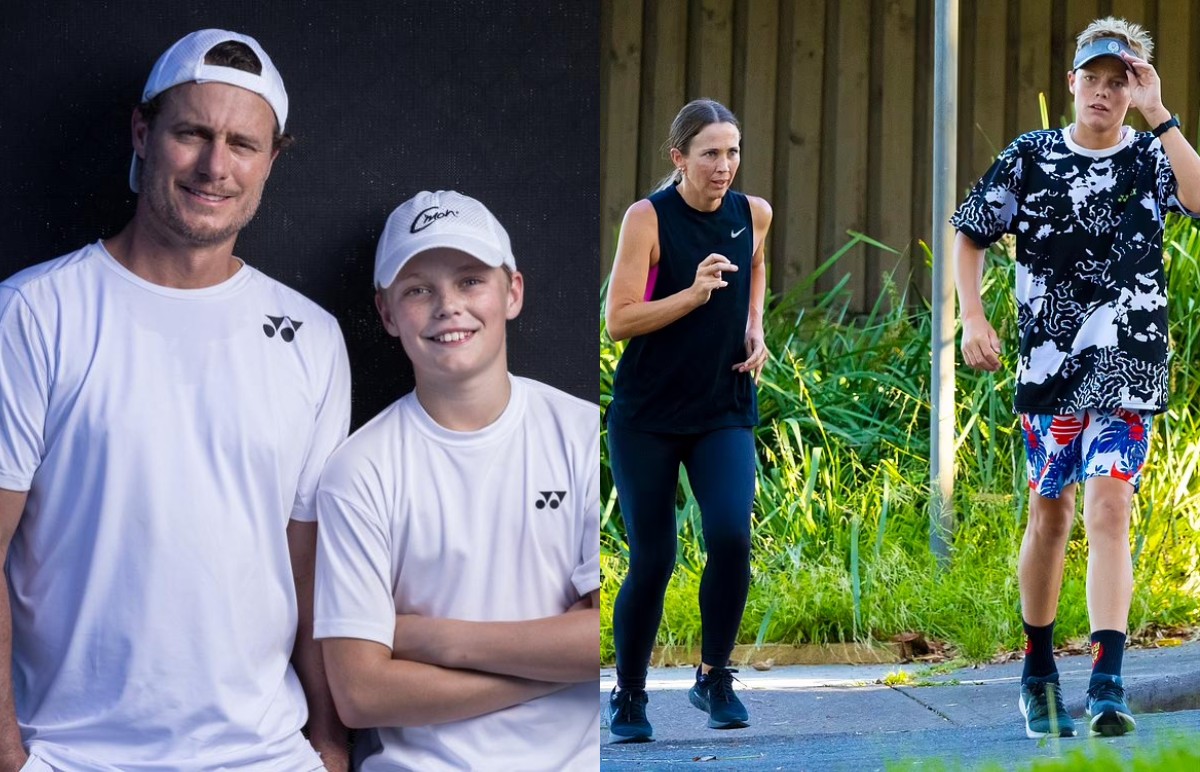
column 1108, row 647
column 1039, row 651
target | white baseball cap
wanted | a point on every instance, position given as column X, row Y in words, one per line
column 184, row 63
column 442, row 218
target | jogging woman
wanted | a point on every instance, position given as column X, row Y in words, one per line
column 687, row 290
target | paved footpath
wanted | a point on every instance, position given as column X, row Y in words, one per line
column 834, row 717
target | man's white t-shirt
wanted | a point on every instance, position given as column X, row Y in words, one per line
column 499, row 524
column 166, row 437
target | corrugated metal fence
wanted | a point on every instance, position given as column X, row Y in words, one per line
column 835, row 104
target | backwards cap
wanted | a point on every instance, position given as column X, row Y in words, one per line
column 443, row 218
column 184, row 63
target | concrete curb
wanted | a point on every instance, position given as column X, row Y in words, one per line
column 778, row 655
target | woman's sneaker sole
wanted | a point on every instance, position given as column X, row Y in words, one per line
column 618, row 739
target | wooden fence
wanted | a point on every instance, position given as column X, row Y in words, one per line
column 835, row 100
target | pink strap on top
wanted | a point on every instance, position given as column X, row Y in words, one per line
column 651, row 277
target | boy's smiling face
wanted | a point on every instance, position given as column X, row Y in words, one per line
column 449, row 310
column 1101, row 89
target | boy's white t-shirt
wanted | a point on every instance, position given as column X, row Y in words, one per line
column 500, row 524
column 165, row 440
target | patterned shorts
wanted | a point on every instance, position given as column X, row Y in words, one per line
column 1064, row 449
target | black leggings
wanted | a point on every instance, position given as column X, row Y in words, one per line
column 645, row 467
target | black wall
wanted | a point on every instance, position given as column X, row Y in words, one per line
column 494, row 98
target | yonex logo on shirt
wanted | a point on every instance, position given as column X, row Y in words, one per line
column 285, row 326
column 429, row 216
column 550, row 499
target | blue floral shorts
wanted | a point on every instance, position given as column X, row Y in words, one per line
column 1064, row 449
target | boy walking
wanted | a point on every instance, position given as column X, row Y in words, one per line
column 1086, row 204
column 458, row 566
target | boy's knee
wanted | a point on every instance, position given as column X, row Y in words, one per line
column 1051, row 519
column 1106, row 517
column 1107, row 507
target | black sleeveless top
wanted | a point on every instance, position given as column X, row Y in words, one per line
column 680, row 379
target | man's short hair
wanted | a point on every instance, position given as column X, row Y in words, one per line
column 1134, row 35
column 230, row 53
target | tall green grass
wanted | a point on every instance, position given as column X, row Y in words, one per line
column 841, row 516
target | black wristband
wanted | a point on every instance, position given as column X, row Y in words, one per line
column 1165, row 126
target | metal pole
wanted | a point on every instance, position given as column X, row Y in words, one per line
column 945, row 135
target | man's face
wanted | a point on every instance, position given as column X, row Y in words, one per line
column 205, row 161
column 1101, row 89
column 449, row 311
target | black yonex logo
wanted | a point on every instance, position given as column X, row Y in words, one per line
column 428, row 216
column 285, row 326
column 550, row 499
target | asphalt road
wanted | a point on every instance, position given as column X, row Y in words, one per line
column 866, row 750
column 839, row 717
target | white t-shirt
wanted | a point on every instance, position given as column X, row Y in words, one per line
column 165, row 437
column 500, row 524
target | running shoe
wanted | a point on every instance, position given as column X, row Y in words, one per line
column 1043, row 708
column 627, row 722
column 1106, row 705
column 713, row 693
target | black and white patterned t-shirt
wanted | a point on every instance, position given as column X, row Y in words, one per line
column 1090, row 284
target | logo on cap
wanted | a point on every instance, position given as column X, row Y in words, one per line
column 429, row 216
column 1113, row 47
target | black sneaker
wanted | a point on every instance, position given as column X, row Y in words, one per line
column 627, row 722
column 713, row 693
column 1043, row 708
column 1106, row 705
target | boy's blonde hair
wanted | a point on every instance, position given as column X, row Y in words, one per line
column 1134, row 35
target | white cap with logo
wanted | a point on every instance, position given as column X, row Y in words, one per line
column 443, row 218
column 184, row 63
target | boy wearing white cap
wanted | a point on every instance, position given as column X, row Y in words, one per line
column 165, row 411
column 458, row 566
column 1086, row 204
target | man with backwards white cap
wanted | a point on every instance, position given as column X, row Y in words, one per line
column 165, row 411
column 458, row 569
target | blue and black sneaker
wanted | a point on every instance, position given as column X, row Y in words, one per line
column 713, row 693
column 627, row 722
column 1106, row 705
column 1043, row 708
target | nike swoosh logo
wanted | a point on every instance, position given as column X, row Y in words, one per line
column 735, row 234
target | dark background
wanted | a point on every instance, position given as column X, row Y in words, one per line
column 496, row 99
